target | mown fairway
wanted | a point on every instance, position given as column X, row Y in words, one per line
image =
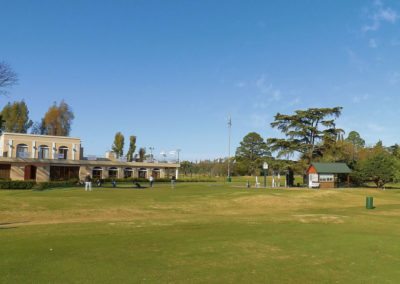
column 199, row 233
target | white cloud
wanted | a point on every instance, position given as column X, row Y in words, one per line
column 359, row 99
column 372, row 43
column 394, row 78
column 240, row 84
column 294, row 102
column 262, row 84
column 375, row 127
column 269, row 93
column 380, row 15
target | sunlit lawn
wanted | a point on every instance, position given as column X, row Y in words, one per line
column 208, row 233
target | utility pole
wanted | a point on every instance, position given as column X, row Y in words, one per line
column 178, row 151
column 229, row 148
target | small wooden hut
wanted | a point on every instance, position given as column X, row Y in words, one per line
column 328, row 175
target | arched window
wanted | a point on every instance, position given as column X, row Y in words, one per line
column 97, row 173
column 63, row 152
column 43, row 152
column 156, row 173
column 113, row 172
column 22, row 151
column 128, row 172
column 142, row 173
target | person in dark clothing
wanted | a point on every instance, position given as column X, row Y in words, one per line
column 88, row 183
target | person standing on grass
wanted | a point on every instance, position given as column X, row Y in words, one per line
column 88, row 183
column 151, row 179
column 173, row 180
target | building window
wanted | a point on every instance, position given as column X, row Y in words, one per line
column 113, row 172
column 128, row 172
column 156, row 173
column 326, row 178
column 142, row 173
column 22, row 151
column 64, row 173
column 63, row 153
column 97, row 173
column 43, row 152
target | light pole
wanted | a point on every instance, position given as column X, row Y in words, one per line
column 265, row 167
column 178, row 151
column 229, row 148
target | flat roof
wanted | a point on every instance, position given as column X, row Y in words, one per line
column 87, row 163
column 39, row 135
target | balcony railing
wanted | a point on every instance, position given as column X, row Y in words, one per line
column 24, row 155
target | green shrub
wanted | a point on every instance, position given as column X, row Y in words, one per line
column 56, row 184
column 124, row 180
column 200, row 179
column 17, row 184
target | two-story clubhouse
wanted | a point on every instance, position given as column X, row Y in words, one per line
column 48, row 158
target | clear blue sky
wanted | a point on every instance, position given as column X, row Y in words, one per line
column 171, row 72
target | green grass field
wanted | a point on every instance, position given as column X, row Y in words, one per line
column 199, row 233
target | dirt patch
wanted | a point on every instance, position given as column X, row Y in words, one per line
column 320, row 218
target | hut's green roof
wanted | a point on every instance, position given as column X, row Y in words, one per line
column 331, row 168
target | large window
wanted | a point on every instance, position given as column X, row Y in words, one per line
column 97, row 173
column 22, row 151
column 128, row 172
column 113, row 172
column 156, row 173
column 64, row 173
column 43, row 152
column 142, row 173
column 63, row 152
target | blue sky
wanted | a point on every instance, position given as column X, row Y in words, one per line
column 171, row 72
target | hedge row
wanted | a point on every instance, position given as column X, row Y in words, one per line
column 55, row 184
column 17, row 184
column 159, row 180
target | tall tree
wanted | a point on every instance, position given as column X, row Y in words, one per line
column 58, row 120
column 304, row 131
column 118, row 146
column 380, row 167
column 16, row 117
column 8, row 77
column 355, row 138
column 142, row 154
column 252, row 152
column 132, row 148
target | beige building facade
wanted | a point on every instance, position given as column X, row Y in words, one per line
column 51, row 158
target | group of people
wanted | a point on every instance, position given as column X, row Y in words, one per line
column 88, row 182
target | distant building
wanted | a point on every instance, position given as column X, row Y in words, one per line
column 327, row 175
column 45, row 157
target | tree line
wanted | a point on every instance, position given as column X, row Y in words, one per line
column 118, row 148
column 56, row 121
column 14, row 117
column 308, row 136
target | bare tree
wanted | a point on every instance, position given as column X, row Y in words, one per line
column 7, row 77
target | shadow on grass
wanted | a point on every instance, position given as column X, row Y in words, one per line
column 5, row 226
